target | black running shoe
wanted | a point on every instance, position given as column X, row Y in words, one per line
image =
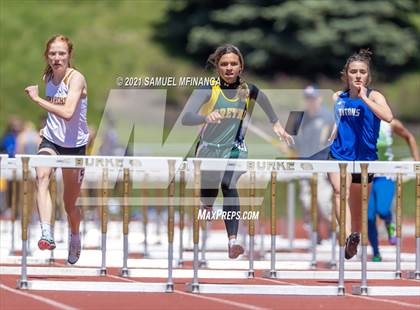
column 352, row 242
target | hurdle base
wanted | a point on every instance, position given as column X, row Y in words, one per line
column 51, row 261
column 124, row 273
column 180, row 263
column 332, row 265
column 202, row 263
column 270, row 274
column 22, row 284
column 313, row 265
column 301, row 290
column 388, row 290
column 251, row 274
column 169, row 288
column 341, row 291
column 415, row 275
column 398, row 275
column 359, row 290
column 193, row 288
column 102, row 272
column 92, row 286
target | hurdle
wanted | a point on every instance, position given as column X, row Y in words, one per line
column 204, row 225
column 53, row 193
column 273, row 225
column 14, row 210
column 139, row 164
column 251, row 226
column 344, row 168
column 333, row 262
column 253, row 167
column 363, row 288
column 145, row 215
column 104, row 219
column 181, row 216
column 416, row 274
column 195, row 285
column 314, row 217
column 23, row 282
column 126, row 189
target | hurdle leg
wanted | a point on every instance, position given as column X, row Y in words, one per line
column 84, row 211
column 314, row 217
column 251, row 227
column 61, row 210
column 20, row 201
column 104, row 220
column 23, row 282
column 416, row 273
column 273, row 227
column 171, row 224
column 333, row 262
column 261, row 230
column 204, row 227
column 398, row 273
column 126, row 221
column 144, row 210
column 158, row 217
column 291, row 213
column 181, row 217
column 363, row 288
column 195, row 288
column 342, row 227
column 14, row 211
column 53, row 193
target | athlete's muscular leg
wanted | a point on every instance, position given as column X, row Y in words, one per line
column 72, row 179
column 210, row 181
column 43, row 197
column 231, row 201
column 356, row 206
column 334, row 178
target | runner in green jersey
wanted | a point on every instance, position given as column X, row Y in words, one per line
column 223, row 111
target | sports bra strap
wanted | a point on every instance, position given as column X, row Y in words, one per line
column 66, row 79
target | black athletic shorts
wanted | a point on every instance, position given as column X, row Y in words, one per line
column 81, row 150
column 64, row 151
column 355, row 177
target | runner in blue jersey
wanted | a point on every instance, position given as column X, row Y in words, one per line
column 222, row 110
column 359, row 111
column 383, row 188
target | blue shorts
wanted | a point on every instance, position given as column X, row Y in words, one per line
column 381, row 197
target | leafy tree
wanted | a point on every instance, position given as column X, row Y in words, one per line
column 303, row 37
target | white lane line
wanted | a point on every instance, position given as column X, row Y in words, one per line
column 396, row 302
column 48, row 301
column 224, row 301
column 390, row 301
column 219, row 300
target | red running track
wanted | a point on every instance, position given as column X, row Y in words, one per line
column 12, row 298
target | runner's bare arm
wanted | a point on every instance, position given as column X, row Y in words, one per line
column 66, row 111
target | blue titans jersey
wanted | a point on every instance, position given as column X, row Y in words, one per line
column 357, row 130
